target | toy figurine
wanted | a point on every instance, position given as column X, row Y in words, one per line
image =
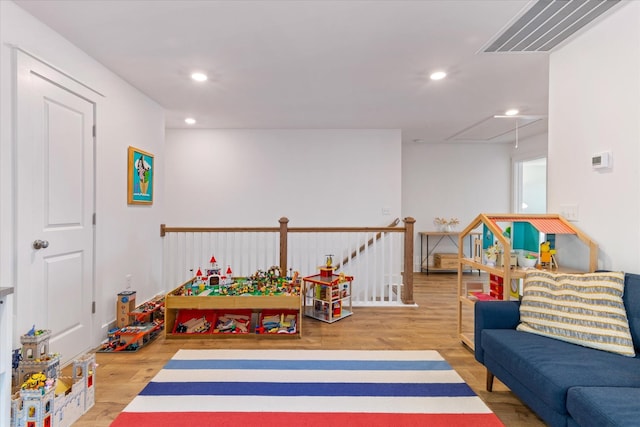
column 491, row 255
column 547, row 256
column 329, row 260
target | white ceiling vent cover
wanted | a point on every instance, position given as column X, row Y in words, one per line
column 548, row 23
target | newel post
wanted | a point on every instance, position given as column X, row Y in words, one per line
column 407, row 276
column 284, row 221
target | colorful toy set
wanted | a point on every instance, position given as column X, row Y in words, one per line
column 328, row 295
column 195, row 325
column 233, row 323
column 142, row 324
column 44, row 398
column 223, row 305
column 278, row 322
column 214, row 283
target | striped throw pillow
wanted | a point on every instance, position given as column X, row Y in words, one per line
column 585, row 309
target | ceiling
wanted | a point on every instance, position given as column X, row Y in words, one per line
column 318, row 64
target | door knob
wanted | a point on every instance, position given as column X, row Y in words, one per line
column 40, row 244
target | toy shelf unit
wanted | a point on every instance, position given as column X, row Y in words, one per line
column 235, row 309
column 145, row 324
column 327, row 296
column 509, row 245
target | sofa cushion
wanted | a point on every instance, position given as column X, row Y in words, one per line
column 549, row 367
column 585, row 309
column 604, row 406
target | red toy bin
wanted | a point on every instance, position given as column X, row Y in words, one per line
column 232, row 322
column 192, row 322
column 278, row 315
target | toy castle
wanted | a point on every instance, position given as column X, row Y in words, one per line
column 45, row 399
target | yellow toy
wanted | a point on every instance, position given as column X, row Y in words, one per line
column 547, row 255
column 35, row 382
column 329, row 261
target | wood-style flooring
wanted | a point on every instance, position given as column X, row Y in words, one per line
column 431, row 325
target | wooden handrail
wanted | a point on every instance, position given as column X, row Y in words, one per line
column 164, row 229
column 345, row 229
column 364, row 246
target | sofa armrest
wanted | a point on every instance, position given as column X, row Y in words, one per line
column 493, row 315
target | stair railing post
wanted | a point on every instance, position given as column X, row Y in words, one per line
column 284, row 221
column 407, row 275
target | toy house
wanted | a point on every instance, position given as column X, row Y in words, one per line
column 214, row 275
column 523, row 234
column 56, row 401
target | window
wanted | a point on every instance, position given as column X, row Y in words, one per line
column 530, row 185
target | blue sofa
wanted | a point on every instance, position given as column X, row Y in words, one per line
column 565, row 384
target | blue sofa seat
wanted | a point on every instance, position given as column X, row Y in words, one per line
column 556, row 379
column 603, row 406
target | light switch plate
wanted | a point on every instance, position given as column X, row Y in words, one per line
column 569, row 211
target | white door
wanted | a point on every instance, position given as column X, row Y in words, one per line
column 55, row 206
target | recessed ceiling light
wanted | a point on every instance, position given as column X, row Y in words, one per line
column 438, row 75
column 190, row 121
column 199, row 77
column 511, row 112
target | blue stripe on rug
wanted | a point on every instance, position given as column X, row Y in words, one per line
column 306, row 389
column 318, row 365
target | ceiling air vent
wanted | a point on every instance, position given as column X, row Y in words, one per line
column 548, row 23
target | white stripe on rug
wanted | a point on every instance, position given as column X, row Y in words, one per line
column 348, row 404
column 308, row 354
column 252, row 375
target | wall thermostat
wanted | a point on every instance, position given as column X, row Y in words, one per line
column 601, row 160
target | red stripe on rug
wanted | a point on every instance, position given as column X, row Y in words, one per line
column 280, row 419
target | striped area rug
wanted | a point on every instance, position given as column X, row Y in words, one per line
column 292, row 388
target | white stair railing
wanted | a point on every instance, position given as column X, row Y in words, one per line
column 375, row 257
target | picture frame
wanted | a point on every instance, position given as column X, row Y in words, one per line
column 140, row 174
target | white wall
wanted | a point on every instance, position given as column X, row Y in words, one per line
column 594, row 106
column 254, row 177
column 127, row 238
column 534, row 147
column 454, row 181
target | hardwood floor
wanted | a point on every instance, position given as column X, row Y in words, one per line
column 429, row 326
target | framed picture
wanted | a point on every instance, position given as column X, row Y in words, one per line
column 140, row 177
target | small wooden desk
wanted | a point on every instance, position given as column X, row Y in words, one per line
column 426, row 249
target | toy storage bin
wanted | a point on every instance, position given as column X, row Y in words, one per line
column 185, row 317
column 445, row 260
column 496, row 286
column 232, row 322
column 279, row 315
